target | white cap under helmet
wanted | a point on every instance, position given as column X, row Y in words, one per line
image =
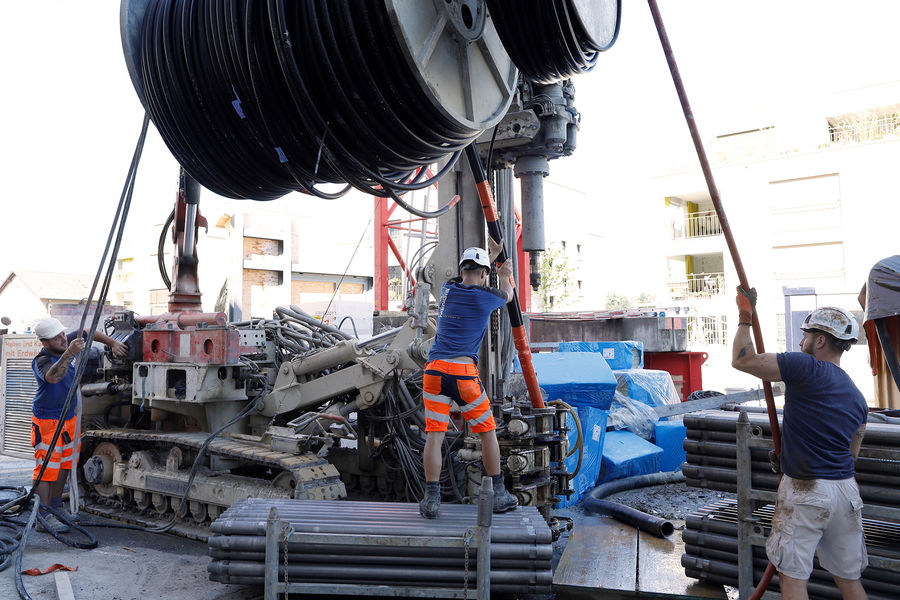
column 48, row 328
column 477, row 255
column 836, row 321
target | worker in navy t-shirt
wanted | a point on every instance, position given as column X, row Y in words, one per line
column 451, row 374
column 818, row 508
column 54, row 371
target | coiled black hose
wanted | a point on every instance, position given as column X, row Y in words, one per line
column 257, row 99
column 546, row 39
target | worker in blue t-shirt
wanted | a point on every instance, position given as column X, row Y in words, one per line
column 818, row 508
column 451, row 374
column 54, row 371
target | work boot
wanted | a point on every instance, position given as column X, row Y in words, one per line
column 503, row 500
column 431, row 503
column 53, row 523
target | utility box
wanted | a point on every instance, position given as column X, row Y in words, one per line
column 17, row 388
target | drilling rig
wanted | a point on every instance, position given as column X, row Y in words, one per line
column 204, row 411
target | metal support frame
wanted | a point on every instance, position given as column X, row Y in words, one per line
column 279, row 533
column 750, row 531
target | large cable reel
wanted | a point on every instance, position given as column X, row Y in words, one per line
column 552, row 40
column 257, row 98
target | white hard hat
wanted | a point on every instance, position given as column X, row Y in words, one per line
column 836, row 321
column 48, row 328
column 477, row 255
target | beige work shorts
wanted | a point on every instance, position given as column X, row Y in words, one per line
column 818, row 514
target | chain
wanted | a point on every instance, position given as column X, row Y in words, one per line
column 286, row 530
column 468, row 539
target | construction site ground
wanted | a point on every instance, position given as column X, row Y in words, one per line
column 132, row 565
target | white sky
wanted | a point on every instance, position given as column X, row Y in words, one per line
column 69, row 117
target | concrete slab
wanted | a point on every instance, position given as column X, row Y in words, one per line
column 127, row 565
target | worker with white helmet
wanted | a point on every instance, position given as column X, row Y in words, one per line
column 54, row 370
column 818, row 509
column 451, row 374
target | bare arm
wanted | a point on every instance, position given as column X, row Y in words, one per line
column 58, row 370
column 857, row 440
column 744, row 357
column 118, row 348
column 505, row 275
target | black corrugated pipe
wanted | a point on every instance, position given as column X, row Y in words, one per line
column 632, row 516
column 629, row 483
column 660, row 527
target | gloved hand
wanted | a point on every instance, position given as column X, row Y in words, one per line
column 774, row 462
column 746, row 302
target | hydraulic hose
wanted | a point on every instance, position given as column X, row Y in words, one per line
column 257, row 99
column 579, row 443
column 492, row 217
column 545, row 40
column 26, row 500
column 729, row 240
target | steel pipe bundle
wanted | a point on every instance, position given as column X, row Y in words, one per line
column 711, row 552
column 521, row 545
column 711, row 457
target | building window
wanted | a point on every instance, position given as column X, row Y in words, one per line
column 159, row 301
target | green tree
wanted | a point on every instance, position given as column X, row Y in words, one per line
column 555, row 270
column 616, row 302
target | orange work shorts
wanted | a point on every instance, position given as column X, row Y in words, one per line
column 445, row 382
column 63, row 456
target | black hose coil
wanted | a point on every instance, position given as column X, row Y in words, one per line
column 257, row 98
column 546, row 39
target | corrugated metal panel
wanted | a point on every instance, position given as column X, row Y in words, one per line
column 20, row 387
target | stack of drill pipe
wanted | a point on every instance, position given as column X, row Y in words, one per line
column 521, row 545
column 711, row 457
column 711, row 552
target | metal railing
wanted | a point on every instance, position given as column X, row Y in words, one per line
column 701, row 224
column 698, row 285
column 863, row 129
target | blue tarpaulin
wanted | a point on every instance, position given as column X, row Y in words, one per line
column 625, row 354
column 593, row 427
column 670, row 437
column 578, row 378
column 649, row 386
column 626, row 454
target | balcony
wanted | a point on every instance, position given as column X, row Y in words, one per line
column 700, row 224
column 698, row 285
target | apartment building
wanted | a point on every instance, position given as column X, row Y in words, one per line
column 811, row 192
